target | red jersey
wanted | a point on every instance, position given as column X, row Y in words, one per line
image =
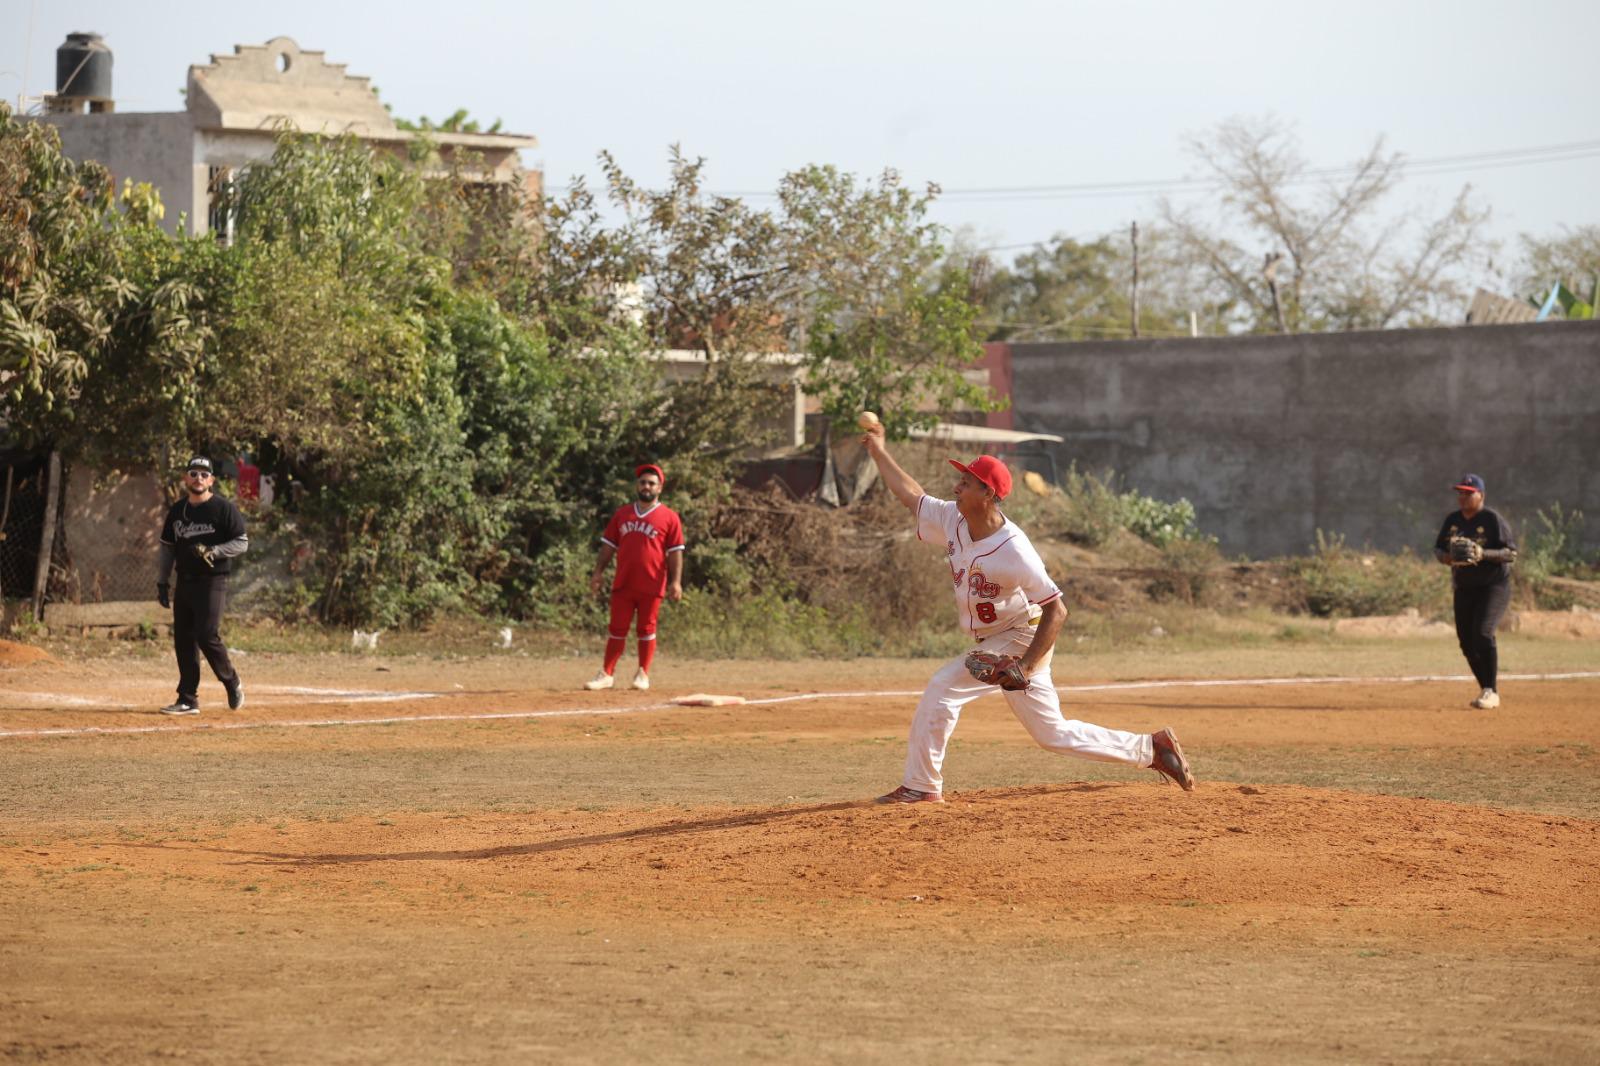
column 642, row 540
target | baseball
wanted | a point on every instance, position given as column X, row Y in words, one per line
column 867, row 421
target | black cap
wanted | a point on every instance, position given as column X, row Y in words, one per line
column 200, row 462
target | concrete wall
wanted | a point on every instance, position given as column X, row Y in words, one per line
column 1274, row 438
column 113, row 527
column 158, row 148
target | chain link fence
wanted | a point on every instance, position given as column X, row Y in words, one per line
column 22, row 505
column 105, row 550
column 103, row 546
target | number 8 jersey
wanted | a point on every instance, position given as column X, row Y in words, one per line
column 1000, row 581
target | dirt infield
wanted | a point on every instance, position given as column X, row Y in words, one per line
column 1368, row 871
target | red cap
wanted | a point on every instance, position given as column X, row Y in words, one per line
column 649, row 468
column 991, row 471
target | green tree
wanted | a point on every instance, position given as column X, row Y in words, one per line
column 1082, row 290
column 90, row 296
column 885, row 317
column 457, row 122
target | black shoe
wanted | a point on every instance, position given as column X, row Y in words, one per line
column 235, row 696
column 182, row 706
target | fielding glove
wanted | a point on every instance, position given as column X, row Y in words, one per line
column 992, row 669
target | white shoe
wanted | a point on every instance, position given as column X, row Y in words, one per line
column 641, row 681
column 599, row 681
column 1488, row 701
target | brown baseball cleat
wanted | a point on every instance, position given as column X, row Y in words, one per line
column 1168, row 761
column 910, row 795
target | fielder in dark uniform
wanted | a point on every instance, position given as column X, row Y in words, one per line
column 1482, row 585
column 202, row 534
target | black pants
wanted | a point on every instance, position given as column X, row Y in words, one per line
column 1478, row 612
column 196, row 617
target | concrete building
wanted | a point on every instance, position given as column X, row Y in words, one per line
column 235, row 107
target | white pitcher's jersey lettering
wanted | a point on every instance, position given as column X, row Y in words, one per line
column 1000, row 582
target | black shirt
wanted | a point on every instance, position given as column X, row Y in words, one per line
column 1490, row 531
column 217, row 521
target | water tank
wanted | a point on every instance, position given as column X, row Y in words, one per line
column 83, row 74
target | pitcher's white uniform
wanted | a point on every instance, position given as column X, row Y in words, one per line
column 1000, row 585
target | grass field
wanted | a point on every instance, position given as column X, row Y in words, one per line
column 1368, row 870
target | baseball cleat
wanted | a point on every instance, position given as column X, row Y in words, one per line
column 641, row 681
column 1167, row 759
column 181, row 706
column 1488, row 701
column 910, row 795
column 235, row 697
column 599, row 681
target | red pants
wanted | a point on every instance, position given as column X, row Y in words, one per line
column 624, row 604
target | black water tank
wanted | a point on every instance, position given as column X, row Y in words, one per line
column 83, row 68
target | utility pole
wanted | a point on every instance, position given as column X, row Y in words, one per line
column 47, row 536
column 1134, row 237
column 1269, row 270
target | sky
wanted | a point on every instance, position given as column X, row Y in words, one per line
column 998, row 96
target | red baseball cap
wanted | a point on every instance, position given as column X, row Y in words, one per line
column 991, row 471
column 649, row 468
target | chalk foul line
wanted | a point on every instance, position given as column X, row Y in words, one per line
column 362, row 695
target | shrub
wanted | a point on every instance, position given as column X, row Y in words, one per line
column 766, row 624
column 1157, row 522
column 1185, row 568
column 1338, row 581
column 1551, row 546
column 1088, row 510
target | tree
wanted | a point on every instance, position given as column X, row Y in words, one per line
column 849, row 274
column 885, row 317
column 1296, row 262
column 98, row 325
column 1571, row 259
column 458, row 122
column 1081, row 290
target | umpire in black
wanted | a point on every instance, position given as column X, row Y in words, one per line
column 202, row 534
column 1477, row 543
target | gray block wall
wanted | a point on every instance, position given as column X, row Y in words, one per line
column 1361, row 434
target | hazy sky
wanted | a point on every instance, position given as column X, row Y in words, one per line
column 972, row 96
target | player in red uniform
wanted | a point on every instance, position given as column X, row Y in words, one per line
column 646, row 539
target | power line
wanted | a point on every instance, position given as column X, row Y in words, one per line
column 1445, row 164
column 1500, row 159
column 1554, row 153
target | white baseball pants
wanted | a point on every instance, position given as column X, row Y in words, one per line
column 1037, row 707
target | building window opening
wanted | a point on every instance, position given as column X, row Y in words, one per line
column 219, row 216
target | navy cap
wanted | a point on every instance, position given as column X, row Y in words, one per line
column 1469, row 483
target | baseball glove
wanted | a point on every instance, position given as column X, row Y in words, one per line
column 992, row 669
column 1464, row 552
